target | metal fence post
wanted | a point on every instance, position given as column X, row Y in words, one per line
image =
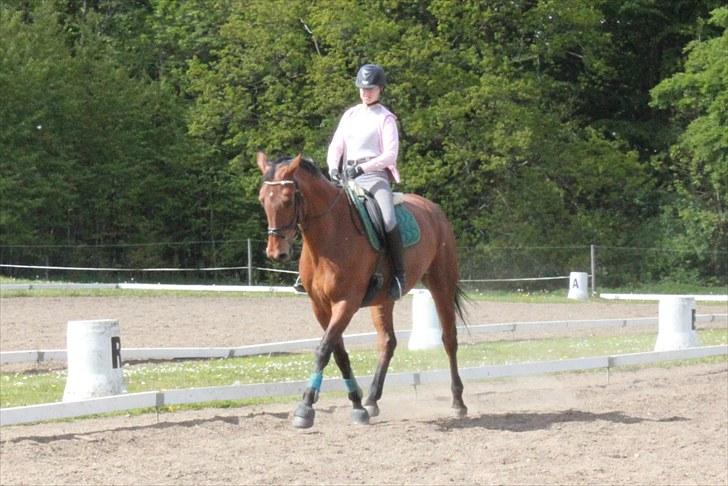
column 593, row 270
column 250, row 263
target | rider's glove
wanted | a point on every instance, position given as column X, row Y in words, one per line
column 354, row 171
column 335, row 175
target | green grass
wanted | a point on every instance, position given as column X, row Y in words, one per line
column 533, row 296
column 90, row 292
column 668, row 288
column 139, row 293
column 18, row 389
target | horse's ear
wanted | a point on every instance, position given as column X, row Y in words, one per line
column 262, row 162
column 293, row 166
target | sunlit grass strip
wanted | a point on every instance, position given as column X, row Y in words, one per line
column 550, row 297
column 533, row 296
column 117, row 293
column 87, row 290
column 17, row 389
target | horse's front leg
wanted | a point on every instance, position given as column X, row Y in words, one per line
column 303, row 416
column 358, row 414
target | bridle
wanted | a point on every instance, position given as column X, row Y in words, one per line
column 299, row 215
column 297, row 204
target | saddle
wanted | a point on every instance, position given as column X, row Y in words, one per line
column 370, row 216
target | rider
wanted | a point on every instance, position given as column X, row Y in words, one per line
column 368, row 139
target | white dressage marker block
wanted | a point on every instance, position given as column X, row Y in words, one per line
column 676, row 324
column 426, row 330
column 578, row 286
column 94, row 360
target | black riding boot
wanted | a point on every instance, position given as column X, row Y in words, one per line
column 298, row 286
column 394, row 246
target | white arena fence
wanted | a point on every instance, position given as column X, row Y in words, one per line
column 232, row 261
column 148, row 286
column 157, row 399
column 248, row 269
column 290, row 290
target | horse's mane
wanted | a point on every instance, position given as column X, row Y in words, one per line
column 306, row 164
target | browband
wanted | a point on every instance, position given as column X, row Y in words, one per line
column 278, row 183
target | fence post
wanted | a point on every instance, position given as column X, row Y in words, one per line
column 593, row 270
column 250, row 263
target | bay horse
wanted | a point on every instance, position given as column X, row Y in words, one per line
column 336, row 264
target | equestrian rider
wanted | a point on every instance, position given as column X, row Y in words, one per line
column 368, row 139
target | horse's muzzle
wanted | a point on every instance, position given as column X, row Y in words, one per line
column 278, row 250
column 279, row 257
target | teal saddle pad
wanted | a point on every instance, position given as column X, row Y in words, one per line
column 406, row 222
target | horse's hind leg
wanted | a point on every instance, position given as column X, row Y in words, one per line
column 358, row 414
column 384, row 324
column 443, row 290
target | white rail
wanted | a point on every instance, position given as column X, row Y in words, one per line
column 170, row 353
column 156, row 399
column 142, row 286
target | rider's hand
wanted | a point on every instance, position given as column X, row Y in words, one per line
column 354, row 171
column 335, row 175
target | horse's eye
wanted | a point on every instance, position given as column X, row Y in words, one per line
column 281, row 200
column 287, row 198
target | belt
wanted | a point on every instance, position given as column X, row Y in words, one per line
column 359, row 161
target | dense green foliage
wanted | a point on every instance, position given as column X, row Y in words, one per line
column 533, row 123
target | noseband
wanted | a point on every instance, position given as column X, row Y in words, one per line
column 298, row 216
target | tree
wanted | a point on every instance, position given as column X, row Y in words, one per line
column 90, row 154
column 33, row 165
column 526, row 120
column 697, row 100
column 503, row 122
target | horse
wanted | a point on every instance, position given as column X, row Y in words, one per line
column 335, row 266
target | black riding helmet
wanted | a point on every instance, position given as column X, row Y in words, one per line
column 370, row 75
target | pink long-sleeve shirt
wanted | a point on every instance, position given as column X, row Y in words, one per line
column 366, row 132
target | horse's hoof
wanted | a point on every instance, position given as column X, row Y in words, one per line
column 373, row 409
column 303, row 416
column 460, row 412
column 360, row 416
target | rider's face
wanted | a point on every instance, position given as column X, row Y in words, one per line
column 370, row 95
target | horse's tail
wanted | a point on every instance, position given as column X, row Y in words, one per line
column 460, row 299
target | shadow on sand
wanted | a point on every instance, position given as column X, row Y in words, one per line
column 165, row 424
column 530, row 421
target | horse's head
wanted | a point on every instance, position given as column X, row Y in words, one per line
column 281, row 201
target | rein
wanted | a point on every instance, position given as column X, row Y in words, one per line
column 299, row 216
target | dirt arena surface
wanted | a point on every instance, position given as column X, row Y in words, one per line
column 653, row 426
column 28, row 323
column 657, row 425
